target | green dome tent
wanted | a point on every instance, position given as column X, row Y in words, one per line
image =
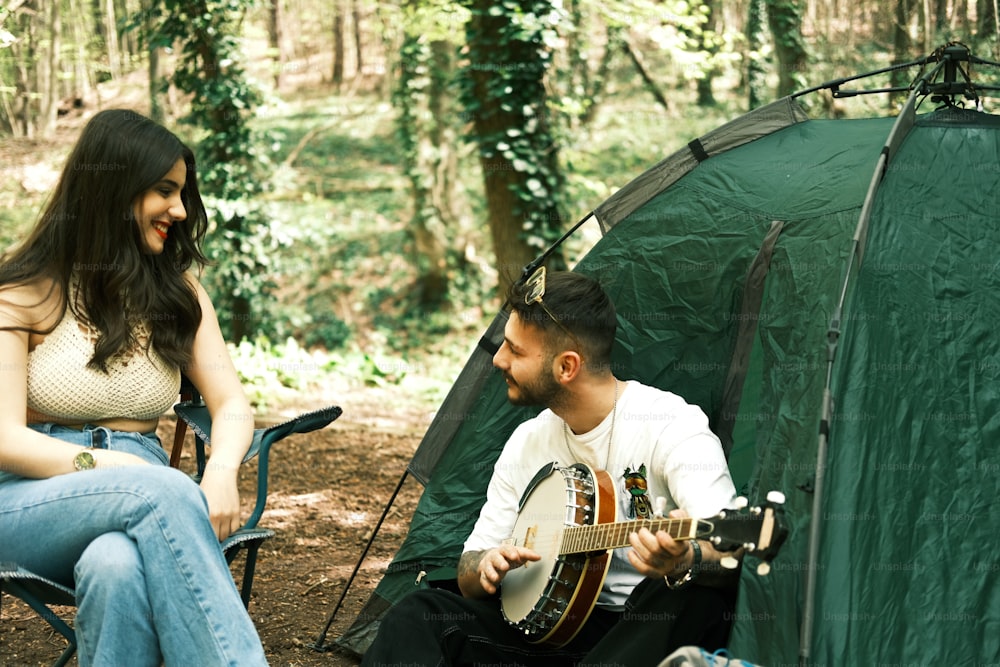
column 828, row 291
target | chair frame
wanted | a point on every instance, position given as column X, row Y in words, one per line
column 41, row 594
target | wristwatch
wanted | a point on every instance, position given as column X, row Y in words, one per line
column 689, row 576
column 84, row 460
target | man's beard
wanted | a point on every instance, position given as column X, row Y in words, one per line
column 542, row 390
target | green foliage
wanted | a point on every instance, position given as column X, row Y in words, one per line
column 327, row 331
column 273, row 373
column 243, row 247
column 230, row 156
column 269, row 372
column 6, row 37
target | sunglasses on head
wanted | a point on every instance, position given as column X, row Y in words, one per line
column 534, row 290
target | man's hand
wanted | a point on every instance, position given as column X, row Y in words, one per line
column 480, row 572
column 660, row 555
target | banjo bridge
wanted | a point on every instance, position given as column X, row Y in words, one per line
column 529, row 536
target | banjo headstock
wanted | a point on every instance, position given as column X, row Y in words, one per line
column 759, row 530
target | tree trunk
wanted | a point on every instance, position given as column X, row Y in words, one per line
column 82, row 75
column 985, row 18
column 337, row 76
column 577, row 69
column 756, row 87
column 111, row 40
column 49, row 73
column 35, row 62
column 517, row 152
column 900, row 49
column 941, row 16
column 157, row 84
column 595, row 93
column 784, row 17
column 128, row 45
column 276, row 40
column 427, row 140
column 709, row 45
column 358, row 37
column 23, row 117
column 928, row 23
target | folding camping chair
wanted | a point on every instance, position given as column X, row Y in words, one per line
column 41, row 594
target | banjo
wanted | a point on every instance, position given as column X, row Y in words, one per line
column 568, row 515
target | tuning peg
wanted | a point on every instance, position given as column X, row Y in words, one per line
column 763, row 568
column 740, row 502
column 729, row 563
column 776, row 497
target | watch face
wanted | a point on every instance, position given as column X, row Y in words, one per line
column 84, row 461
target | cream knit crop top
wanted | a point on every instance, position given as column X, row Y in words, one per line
column 61, row 386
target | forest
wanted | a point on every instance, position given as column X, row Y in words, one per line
column 378, row 171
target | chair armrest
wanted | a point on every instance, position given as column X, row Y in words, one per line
column 195, row 414
column 264, row 438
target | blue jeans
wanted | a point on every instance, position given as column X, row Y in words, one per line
column 152, row 585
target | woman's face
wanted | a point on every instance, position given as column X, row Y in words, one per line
column 158, row 208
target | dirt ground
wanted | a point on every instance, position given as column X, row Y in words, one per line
column 327, row 491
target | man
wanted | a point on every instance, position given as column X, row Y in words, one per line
column 557, row 353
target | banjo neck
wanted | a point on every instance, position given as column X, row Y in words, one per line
column 604, row 536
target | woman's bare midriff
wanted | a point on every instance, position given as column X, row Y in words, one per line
column 116, row 424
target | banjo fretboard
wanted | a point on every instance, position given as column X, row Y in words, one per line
column 603, row 536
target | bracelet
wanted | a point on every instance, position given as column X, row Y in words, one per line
column 692, row 572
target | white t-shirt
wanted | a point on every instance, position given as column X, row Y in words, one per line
column 684, row 463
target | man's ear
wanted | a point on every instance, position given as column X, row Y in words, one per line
column 566, row 366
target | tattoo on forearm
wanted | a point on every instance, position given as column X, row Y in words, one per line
column 469, row 562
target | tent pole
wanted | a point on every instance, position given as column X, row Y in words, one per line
column 809, row 610
column 900, row 128
column 538, row 261
column 835, row 84
column 319, row 644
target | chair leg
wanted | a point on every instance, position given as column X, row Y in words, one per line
column 49, row 617
column 66, row 656
column 249, row 567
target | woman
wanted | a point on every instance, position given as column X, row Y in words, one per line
column 100, row 309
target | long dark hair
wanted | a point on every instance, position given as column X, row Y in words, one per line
column 88, row 233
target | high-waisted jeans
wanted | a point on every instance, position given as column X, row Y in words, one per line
column 152, row 585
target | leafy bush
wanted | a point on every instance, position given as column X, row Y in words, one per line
column 270, row 373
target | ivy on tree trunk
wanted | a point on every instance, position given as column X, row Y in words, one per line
column 425, row 129
column 756, row 86
column 509, row 51
column 785, row 19
column 222, row 102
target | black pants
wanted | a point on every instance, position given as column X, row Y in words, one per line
column 437, row 627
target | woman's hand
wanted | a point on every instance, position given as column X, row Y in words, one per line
column 220, row 489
